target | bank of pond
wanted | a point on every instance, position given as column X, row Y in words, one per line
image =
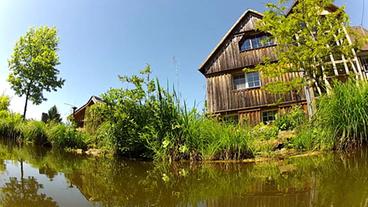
column 145, row 121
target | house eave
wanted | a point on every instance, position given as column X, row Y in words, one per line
column 225, row 37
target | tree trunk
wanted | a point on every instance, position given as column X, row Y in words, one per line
column 25, row 105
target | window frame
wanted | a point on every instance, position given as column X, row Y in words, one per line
column 275, row 111
column 246, row 85
column 252, row 40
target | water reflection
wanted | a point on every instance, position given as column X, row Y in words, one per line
column 59, row 178
column 24, row 193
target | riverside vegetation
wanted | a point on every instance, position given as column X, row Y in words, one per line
column 143, row 120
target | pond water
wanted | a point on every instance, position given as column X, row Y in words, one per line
column 35, row 177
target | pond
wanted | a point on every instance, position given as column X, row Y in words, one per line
column 38, row 177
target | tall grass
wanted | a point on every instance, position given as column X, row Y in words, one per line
column 34, row 132
column 10, row 124
column 345, row 114
column 182, row 133
column 63, row 136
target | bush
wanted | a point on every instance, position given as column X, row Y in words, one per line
column 148, row 121
column 4, row 103
column 64, row 136
column 102, row 138
column 34, row 132
column 295, row 117
column 311, row 137
column 10, row 124
column 265, row 132
column 94, row 117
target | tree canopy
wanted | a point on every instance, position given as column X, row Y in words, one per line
column 309, row 36
column 33, row 65
column 52, row 115
column 4, row 103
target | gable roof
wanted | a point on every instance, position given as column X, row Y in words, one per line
column 227, row 36
column 243, row 16
column 93, row 99
column 332, row 7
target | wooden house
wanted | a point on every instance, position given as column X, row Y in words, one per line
column 238, row 94
column 79, row 114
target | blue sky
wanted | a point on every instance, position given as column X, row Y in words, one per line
column 100, row 40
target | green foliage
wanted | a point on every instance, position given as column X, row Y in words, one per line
column 340, row 121
column 52, row 115
column 10, row 124
column 94, row 117
column 34, row 132
column 102, row 138
column 265, row 132
column 290, row 120
column 311, row 136
column 32, row 65
column 4, row 103
column 63, row 136
column 305, row 39
column 345, row 113
column 221, row 141
column 145, row 120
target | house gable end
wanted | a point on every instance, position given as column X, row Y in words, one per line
column 226, row 54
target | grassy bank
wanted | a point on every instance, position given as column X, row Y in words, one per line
column 341, row 120
column 143, row 120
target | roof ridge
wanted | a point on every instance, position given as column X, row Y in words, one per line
column 227, row 35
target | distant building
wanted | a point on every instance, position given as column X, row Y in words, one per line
column 79, row 114
column 233, row 93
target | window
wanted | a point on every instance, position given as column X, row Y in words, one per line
column 252, row 80
column 269, row 116
column 254, row 42
column 364, row 61
column 239, row 82
column 247, row 80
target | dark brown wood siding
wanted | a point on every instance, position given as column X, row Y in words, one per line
column 227, row 60
column 222, row 97
column 229, row 56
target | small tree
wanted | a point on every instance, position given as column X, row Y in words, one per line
column 32, row 65
column 308, row 39
column 4, row 103
column 52, row 115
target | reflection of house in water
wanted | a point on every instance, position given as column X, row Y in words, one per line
column 79, row 113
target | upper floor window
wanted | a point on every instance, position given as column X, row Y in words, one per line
column 254, row 42
column 247, row 80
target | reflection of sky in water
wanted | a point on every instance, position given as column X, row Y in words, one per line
column 58, row 188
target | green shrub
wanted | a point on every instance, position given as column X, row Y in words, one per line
column 10, row 124
column 291, row 119
column 345, row 113
column 34, row 132
column 94, row 117
column 102, row 138
column 64, row 136
column 265, row 132
column 4, row 103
